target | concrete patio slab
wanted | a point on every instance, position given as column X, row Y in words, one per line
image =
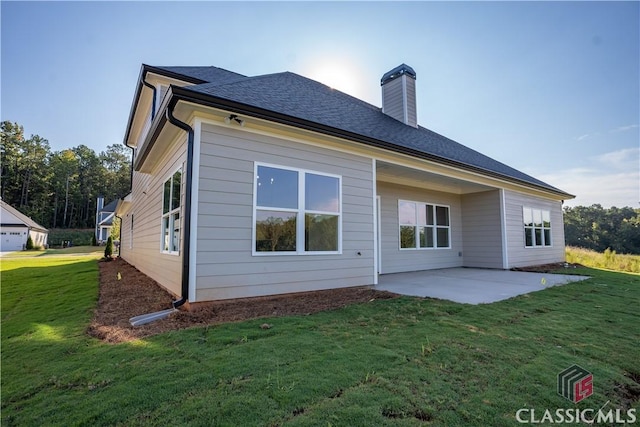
column 471, row 285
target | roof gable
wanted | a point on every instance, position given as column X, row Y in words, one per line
column 22, row 218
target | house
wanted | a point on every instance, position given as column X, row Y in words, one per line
column 104, row 219
column 250, row 186
column 16, row 227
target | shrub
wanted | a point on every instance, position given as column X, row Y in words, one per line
column 108, row 250
column 29, row 243
column 94, row 242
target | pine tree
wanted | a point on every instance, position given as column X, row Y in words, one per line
column 29, row 243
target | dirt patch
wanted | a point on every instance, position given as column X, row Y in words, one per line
column 126, row 292
column 549, row 268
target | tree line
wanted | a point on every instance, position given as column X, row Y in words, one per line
column 598, row 229
column 59, row 189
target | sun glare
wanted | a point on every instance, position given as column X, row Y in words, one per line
column 341, row 75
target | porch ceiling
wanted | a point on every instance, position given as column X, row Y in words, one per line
column 388, row 172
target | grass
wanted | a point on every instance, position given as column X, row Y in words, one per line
column 402, row 362
column 95, row 251
column 608, row 260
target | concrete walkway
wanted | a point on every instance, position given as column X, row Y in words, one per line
column 471, row 285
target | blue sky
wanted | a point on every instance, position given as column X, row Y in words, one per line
column 549, row 88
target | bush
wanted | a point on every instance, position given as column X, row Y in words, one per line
column 94, row 242
column 108, row 250
column 29, row 243
column 79, row 236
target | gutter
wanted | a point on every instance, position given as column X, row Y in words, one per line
column 183, row 93
column 186, row 241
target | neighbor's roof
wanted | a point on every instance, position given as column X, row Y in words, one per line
column 111, row 207
column 295, row 96
column 22, row 217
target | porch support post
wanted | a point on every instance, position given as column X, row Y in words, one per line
column 374, row 201
column 503, row 222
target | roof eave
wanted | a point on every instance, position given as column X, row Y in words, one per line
column 144, row 69
column 184, row 93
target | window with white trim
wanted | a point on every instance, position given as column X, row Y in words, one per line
column 537, row 227
column 296, row 211
column 424, row 225
column 171, row 213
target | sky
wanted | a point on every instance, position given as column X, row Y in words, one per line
column 549, row 88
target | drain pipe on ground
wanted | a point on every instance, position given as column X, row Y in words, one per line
column 186, row 241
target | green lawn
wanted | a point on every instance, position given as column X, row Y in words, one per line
column 400, row 362
column 96, row 251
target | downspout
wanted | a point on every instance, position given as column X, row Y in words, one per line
column 186, row 241
column 153, row 100
column 119, row 234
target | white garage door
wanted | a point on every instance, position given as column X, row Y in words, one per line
column 12, row 240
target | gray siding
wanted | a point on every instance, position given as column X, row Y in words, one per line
column 482, row 229
column 394, row 97
column 146, row 194
column 394, row 260
column 518, row 254
column 225, row 265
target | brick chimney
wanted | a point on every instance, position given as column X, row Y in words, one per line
column 399, row 95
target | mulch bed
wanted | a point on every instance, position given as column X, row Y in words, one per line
column 125, row 292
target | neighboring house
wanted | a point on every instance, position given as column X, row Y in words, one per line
column 16, row 227
column 249, row 186
column 104, row 219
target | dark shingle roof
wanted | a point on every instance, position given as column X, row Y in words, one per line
column 206, row 74
column 111, row 207
column 302, row 98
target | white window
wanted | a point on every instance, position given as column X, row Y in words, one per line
column 296, row 211
column 537, row 227
column 171, row 213
column 424, row 225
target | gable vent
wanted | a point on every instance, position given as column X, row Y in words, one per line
column 399, row 94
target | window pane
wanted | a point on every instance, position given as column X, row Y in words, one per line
column 275, row 231
column 537, row 218
column 426, row 237
column 547, row 237
column 528, row 217
column 429, row 214
column 175, row 242
column 443, row 237
column 322, row 193
column 277, row 188
column 407, row 237
column 422, row 214
column 442, row 215
column 175, row 192
column 546, row 219
column 321, row 232
column 538, row 234
column 166, row 198
column 407, row 213
column 165, row 233
column 528, row 237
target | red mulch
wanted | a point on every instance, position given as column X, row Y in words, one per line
column 135, row 293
